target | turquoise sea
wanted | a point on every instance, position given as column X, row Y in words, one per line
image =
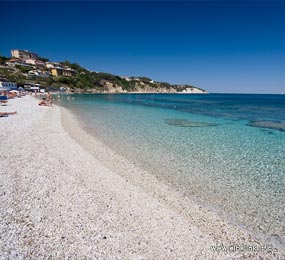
column 224, row 151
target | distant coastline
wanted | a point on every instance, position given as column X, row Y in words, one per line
column 138, row 90
column 26, row 68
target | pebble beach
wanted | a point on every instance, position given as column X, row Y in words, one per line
column 66, row 195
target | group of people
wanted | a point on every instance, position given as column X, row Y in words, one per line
column 46, row 101
column 5, row 95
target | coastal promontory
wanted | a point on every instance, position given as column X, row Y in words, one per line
column 25, row 67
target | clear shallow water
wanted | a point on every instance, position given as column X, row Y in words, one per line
column 227, row 152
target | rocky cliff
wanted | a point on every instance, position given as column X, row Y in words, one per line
column 140, row 87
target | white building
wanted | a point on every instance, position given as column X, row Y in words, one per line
column 33, row 73
column 32, row 87
column 6, row 85
column 51, row 65
column 30, row 61
column 39, row 73
column 35, row 62
column 126, row 78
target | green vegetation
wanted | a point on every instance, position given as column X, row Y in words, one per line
column 84, row 80
column 74, row 66
column 12, row 75
column 43, row 59
column 3, row 59
column 24, row 69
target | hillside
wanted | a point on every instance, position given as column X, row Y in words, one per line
column 85, row 81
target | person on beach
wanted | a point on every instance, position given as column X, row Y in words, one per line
column 5, row 114
column 49, row 98
column 43, row 102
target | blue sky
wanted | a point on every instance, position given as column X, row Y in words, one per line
column 221, row 46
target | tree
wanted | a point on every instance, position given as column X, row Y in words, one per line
column 43, row 59
column 23, row 69
column 3, row 59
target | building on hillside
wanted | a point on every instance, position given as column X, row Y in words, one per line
column 11, row 62
column 38, row 73
column 24, row 55
column 66, row 72
column 51, row 65
column 126, row 78
column 31, row 87
column 7, row 85
column 14, row 62
column 30, row 61
column 40, row 63
column 37, row 63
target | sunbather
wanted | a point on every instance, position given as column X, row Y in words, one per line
column 5, row 114
column 43, row 102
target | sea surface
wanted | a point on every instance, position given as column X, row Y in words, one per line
column 224, row 151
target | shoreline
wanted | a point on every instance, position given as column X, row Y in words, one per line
column 65, row 194
column 198, row 214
